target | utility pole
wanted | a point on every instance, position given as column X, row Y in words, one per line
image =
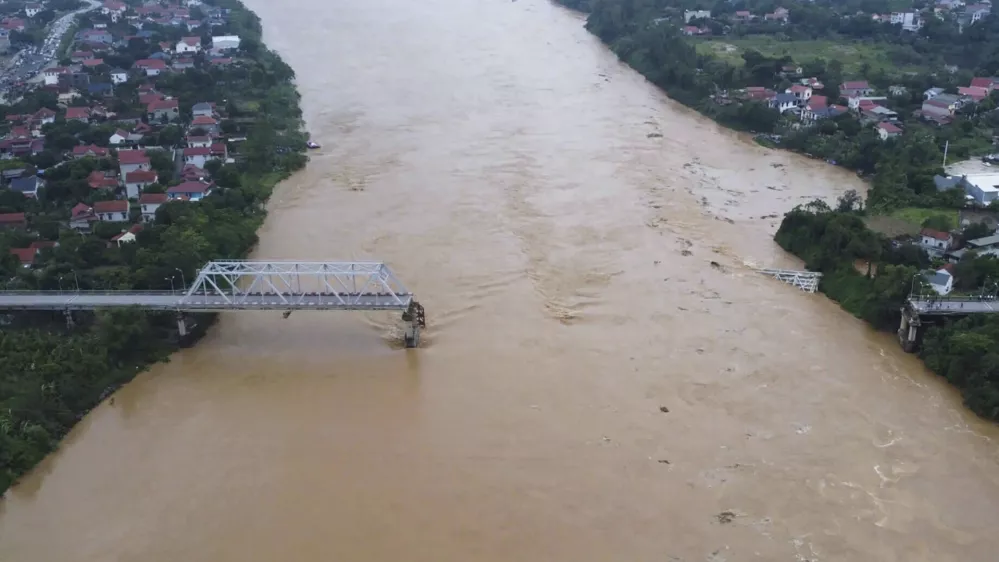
column 946, row 146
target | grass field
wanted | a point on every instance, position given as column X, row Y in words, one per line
column 852, row 54
column 907, row 221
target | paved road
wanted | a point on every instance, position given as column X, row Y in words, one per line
column 970, row 306
column 200, row 303
column 27, row 64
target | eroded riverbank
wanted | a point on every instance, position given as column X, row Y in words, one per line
column 500, row 159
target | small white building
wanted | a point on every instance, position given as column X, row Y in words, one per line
column 936, row 241
column 189, row 45
column 231, row 42
column 941, row 281
column 119, row 76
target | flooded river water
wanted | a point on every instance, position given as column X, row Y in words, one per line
column 558, row 217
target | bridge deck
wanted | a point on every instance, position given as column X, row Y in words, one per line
column 945, row 307
column 42, row 300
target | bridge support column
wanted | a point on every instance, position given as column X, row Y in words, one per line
column 908, row 331
column 69, row 319
column 181, row 324
column 415, row 318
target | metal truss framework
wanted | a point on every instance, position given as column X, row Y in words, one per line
column 807, row 281
column 345, row 285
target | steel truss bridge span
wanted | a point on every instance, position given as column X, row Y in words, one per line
column 222, row 286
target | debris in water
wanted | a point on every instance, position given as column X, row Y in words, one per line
column 663, row 461
column 686, row 253
column 655, row 135
column 725, row 517
column 664, row 409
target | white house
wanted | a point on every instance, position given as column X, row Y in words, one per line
column 189, row 45
column 231, row 42
column 941, row 281
column 784, row 102
column 132, row 161
column 137, row 181
column 936, row 241
column 888, row 130
column 197, row 155
column 119, row 76
column 50, row 76
column 149, row 202
column 111, row 211
column 128, row 236
column 32, row 9
column 118, row 137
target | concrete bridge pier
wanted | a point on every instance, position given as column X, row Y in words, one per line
column 908, row 330
column 181, row 324
column 69, row 319
column 415, row 318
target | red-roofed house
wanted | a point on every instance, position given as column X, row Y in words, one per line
column 189, row 45
column 13, row 24
column 205, row 123
column 989, row 84
column 855, row 89
column 800, row 91
column 113, row 9
column 89, row 150
column 149, row 202
column 147, row 98
column 81, row 114
column 936, row 240
column 192, row 190
column 93, row 63
column 102, row 180
column 197, row 155
column 152, row 67
column 43, row 116
column 50, row 76
column 161, row 111
column 128, row 236
column 138, row 180
column 888, row 130
column 13, row 220
column 974, row 92
column 132, row 161
column 81, row 216
column 193, row 173
column 25, row 255
column 112, row 211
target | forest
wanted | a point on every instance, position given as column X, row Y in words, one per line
column 51, row 375
column 871, row 278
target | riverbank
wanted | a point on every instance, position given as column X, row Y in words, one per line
column 52, row 376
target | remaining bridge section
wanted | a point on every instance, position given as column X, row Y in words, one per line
column 921, row 309
column 807, row 281
column 253, row 285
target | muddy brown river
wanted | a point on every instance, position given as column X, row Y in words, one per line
column 558, row 217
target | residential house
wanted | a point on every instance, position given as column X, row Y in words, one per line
column 855, row 88
column 113, row 9
column 800, row 92
column 112, row 211
column 137, row 181
column 783, row 102
column 975, row 93
column 91, row 150
column 932, row 93
column 888, row 130
column 81, row 217
column 161, row 111
column 190, row 190
column 197, row 156
column 81, row 114
column 940, row 281
column 132, row 161
column 222, row 43
column 812, row 82
column 100, row 36
column 973, row 13
column 910, row 21
column 119, row 137
column 165, row 57
column 92, row 63
column 877, row 114
column 31, row 10
column 203, row 109
column 219, row 151
column 152, row 67
column 207, row 124
column 183, row 63
column 778, row 15
column 941, row 107
column 43, row 116
column 101, row 89
column 199, row 142
column 13, row 24
column 80, row 56
column 50, row 76
column 102, row 180
column 188, row 45
column 987, row 246
column 790, row 71
column 27, row 186
column 989, row 83
column 221, row 62
column 119, row 76
column 9, row 174
column 25, row 255
column 983, row 188
column 149, row 203
column 693, row 30
column 935, row 241
column 898, row 90
column 13, row 220
column 743, row 16
column 193, row 173
column 128, row 236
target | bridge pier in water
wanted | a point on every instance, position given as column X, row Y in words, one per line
column 909, row 330
column 415, row 318
column 181, row 324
